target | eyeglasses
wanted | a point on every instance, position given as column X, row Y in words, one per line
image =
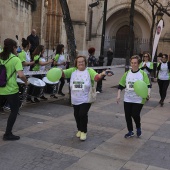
column 79, row 62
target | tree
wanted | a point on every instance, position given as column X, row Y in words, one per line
column 131, row 35
column 69, row 30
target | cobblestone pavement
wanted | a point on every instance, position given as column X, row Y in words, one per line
column 48, row 141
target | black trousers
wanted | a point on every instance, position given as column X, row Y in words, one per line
column 13, row 101
column 81, row 116
column 163, row 86
column 62, row 82
column 132, row 110
column 109, row 62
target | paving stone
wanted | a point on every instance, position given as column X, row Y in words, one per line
column 18, row 156
column 153, row 153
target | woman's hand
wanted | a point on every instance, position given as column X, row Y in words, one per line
column 118, row 97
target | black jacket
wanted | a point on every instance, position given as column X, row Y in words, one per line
column 34, row 41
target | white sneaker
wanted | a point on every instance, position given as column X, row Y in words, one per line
column 97, row 92
column 83, row 136
column 78, row 134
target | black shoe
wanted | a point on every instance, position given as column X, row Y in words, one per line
column 43, row 97
column 61, row 93
column 53, row 96
column 36, row 100
column 10, row 137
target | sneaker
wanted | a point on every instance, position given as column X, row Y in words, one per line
column 97, row 92
column 129, row 134
column 161, row 103
column 83, row 136
column 53, row 96
column 43, row 97
column 78, row 134
column 10, row 137
column 138, row 132
column 61, row 93
column 36, row 100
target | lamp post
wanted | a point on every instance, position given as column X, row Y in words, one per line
column 101, row 57
column 159, row 15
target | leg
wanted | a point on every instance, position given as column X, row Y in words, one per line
column 13, row 100
column 77, row 116
column 160, row 84
column 83, row 112
column 128, row 111
column 136, row 109
column 62, row 82
column 164, row 89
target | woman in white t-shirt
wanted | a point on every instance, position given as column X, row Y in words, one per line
column 81, row 80
column 24, row 55
column 163, row 77
column 60, row 62
column 132, row 102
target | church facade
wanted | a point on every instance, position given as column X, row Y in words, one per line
column 18, row 17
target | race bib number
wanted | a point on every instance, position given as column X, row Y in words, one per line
column 78, row 86
column 130, row 86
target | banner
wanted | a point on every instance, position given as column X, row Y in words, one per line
column 157, row 37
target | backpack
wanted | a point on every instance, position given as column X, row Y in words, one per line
column 3, row 74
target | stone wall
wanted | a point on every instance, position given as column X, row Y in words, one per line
column 15, row 19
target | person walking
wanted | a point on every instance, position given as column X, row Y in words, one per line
column 60, row 62
column 147, row 66
column 34, row 41
column 132, row 102
column 13, row 67
column 163, row 77
column 82, row 78
column 109, row 57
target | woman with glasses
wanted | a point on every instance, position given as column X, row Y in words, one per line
column 147, row 66
column 163, row 77
column 81, row 80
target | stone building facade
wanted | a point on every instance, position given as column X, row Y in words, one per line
column 18, row 17
column 117, row 26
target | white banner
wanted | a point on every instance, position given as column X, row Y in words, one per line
column 157, row 37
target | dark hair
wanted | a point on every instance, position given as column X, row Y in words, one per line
column 9, row 45
column 136, row 57
column 75, row 61
column 37, row 51
column 91, row 50
column 160, row 55
column 166, row 56
column 59, row 48
column 25, row 43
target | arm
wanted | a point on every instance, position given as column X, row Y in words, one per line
column 22, row 76
column 118, row 96
column 41, row 63
column 27, row 63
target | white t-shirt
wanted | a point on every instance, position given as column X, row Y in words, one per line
column 130, row 95
column 42, row 68
column 80, row 84
column 164, row 72
column 28, row 59
column 61, row 59
column 148, row 65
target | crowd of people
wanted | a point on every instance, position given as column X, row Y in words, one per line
column 81, row 81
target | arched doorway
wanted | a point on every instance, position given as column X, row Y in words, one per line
column 121, row 43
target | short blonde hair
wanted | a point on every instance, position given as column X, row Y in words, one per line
column 136, row 57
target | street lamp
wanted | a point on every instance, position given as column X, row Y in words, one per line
column 101, row 57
